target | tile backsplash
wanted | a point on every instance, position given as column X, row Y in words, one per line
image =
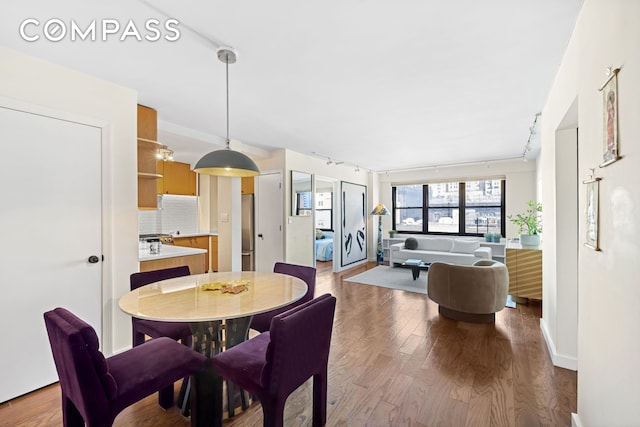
column 174, row 213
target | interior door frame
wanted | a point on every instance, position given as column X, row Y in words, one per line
column 105, row 332
column 335, row 220
column 258, row 247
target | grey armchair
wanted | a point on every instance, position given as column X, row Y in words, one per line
column 469, row 293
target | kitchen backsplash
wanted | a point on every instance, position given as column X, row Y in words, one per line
column 175, row 213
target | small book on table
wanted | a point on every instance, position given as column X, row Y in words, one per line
column 413, row 262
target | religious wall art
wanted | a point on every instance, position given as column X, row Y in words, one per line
column 591, row 233
column 609, row 91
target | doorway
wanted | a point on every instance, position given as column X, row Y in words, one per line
column 325, row 222
column 560, row 302
column 268, row 220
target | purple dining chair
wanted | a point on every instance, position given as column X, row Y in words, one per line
column 156, row 329
column 262, row 321
column 94, row 388
column 275, row 363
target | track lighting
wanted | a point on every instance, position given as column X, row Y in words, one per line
column 532, row 131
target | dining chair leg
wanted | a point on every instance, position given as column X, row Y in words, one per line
column 165, row 397
column 320, row 399
column 184, row 396
column 234, row 393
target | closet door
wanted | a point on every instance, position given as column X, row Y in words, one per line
column 51, row 256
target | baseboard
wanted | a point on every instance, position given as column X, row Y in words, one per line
column 575, row 420
column 559, row 360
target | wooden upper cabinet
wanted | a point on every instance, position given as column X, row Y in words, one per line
column 147, row 123
column 177, row 178
column 147, row 149
column 247, row 185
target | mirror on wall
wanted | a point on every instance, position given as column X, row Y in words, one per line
column 301, row 194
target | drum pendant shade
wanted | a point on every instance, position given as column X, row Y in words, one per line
column 226, row 162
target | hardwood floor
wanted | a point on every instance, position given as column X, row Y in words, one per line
column 395, row 362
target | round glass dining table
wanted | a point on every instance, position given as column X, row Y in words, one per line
column 218, row 308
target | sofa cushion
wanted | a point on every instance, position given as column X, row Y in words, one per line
column 411, row 243
column 437, row 244
column 465, row 246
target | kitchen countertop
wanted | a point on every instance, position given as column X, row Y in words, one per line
column 169, row 251
column 202, row 233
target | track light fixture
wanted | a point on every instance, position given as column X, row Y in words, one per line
column 532, row 131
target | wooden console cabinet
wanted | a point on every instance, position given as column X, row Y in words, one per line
column 525, row 273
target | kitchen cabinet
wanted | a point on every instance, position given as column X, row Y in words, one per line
column 147, row 162
column 201, row 242
column 525, row 272
column 246, row 186
column 196, row 263
column 177, row 178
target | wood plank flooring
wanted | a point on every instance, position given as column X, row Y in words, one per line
column 395, row 362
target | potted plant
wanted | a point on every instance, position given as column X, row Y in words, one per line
column 392, row 233
column 529, row 224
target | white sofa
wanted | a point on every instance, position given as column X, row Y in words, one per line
column 457, row 251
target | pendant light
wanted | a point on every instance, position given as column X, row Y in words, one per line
column 226, row 162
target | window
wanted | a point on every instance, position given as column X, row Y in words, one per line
column 465, row 208
column 483, row 207
column 443, row 207
column 408, row 212
column 324, row 211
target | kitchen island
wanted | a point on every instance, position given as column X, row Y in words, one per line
column 173, row 256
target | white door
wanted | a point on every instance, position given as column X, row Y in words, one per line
column 268, row 221
column 51, row 218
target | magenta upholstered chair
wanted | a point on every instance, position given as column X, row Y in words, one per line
column 262, row 321
column 275, row 363
column 153, row 328
column 94, row 388
column 156, row 329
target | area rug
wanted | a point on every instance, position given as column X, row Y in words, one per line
column 393, row 278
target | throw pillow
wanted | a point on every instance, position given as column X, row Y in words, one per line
column 411, row 243
column 319, row 234
column 465, row 246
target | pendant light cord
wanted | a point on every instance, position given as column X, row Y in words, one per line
column 227, row 71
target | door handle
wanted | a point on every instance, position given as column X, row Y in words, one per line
column 260, row 236
column 93, row 259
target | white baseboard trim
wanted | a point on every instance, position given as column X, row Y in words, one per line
column 562, row 361
column 575, row 420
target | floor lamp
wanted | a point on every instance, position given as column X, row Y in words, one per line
column 379, row 211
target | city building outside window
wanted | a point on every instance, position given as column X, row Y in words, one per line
column 462, row 208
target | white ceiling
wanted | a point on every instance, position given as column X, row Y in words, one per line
column 380, row 84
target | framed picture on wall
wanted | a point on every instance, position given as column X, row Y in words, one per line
column 610, row 118
column 591, row 233
column 353, row 223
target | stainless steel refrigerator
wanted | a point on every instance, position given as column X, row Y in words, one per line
column 248, row 259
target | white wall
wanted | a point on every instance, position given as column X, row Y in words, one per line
column 299, row 231
column 35, row 81
column 520, row 186
column 606, row 34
